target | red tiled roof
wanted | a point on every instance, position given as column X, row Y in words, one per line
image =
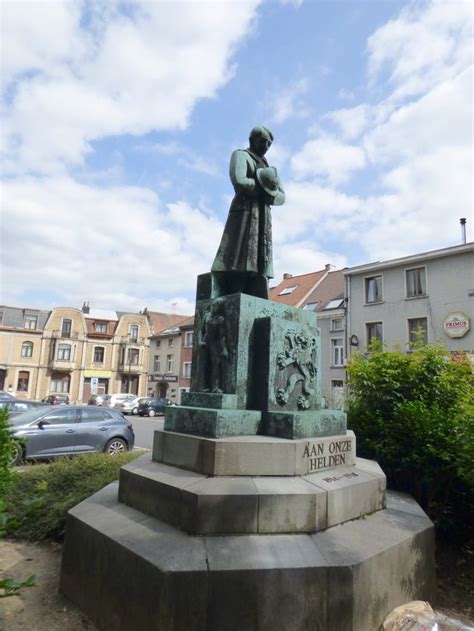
column 188, row 323
column 303, row 285
column 330, row 288
column 161, row 321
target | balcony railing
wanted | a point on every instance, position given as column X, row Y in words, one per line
column 61, row 365
column 138, row 341
column 65, row 335
column 132, row 368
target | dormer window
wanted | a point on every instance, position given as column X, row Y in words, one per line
column 101, row 327
column 31, row 322
column 287, row 290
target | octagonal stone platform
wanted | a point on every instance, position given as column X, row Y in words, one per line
column 127, row 570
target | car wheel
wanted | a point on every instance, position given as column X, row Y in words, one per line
column 16, row 454
column 135, row 411
column 151, row 413
column 116, row 446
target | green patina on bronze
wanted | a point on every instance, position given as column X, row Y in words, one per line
column 244, row 259
column 256, row 363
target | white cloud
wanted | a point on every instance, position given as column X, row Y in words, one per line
column 289, row 102
column 128, row 73
column 301, row 257
column 440, row 118
column 328, row 157
column 117, row 246
column 423, row 46
column 295, row 3
column 351, row 121
column 346, row 95
column 186, row 157
column 415, row 143
column 311, row 207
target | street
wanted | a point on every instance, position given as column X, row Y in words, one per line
column 144, row 429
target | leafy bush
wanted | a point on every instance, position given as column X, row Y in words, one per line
column 6, row 472
column 414, row 414
column 41, row 495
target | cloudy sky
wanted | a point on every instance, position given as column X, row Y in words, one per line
column 119, row 120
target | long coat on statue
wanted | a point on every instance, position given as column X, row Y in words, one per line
column 246, row 245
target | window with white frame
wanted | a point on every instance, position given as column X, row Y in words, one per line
column 99, row 354
column 374, row 331
column 311, row 306
column 27, row 349
column 169, row 363
column 337, row 351
column 101, row 327
column 418, row 330
column 133, row 356
column 158, row 343
column 60, row 383
column 337, row 324
column 133, row 333
column 31, row 322
column 170, row 342
column 373, row 289
column 187, row 370
column 188, row 338
column 23, row 381
column 64, row 352
column 416, row 282
column 156, row 364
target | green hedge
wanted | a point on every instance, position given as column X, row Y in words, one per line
column 40, row 496
column 414, row 414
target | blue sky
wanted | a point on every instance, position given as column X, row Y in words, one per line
column 120, row 119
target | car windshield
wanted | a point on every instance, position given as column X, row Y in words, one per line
column 30, row 415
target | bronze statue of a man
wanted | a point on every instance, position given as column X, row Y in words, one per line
column 244, row 260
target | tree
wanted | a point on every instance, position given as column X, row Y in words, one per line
column 414, row 414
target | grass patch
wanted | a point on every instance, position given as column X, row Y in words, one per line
column 40, row 496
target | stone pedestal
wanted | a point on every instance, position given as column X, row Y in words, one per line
column 253, row 512
column 128, row 570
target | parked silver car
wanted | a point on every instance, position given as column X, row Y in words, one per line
column 59, row 431
column 17, row 406
column 130, row 406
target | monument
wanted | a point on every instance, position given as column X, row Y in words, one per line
column 252, row 512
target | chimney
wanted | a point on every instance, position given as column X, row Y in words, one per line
column 286, row 276
column 462, row 221
column 85, row 307
column 328, row 267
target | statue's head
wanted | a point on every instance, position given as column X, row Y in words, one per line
column 260, row 140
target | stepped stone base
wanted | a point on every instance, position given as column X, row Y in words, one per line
column 127, row 570
column 241, row 505
column 253, row 455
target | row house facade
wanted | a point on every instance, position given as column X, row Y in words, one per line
column 165, row 355
column 73, row 351
column 187, row 336
column 426, row 297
